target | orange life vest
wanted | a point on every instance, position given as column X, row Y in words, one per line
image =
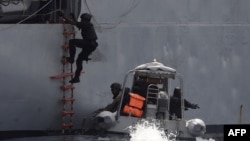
column 134, row 107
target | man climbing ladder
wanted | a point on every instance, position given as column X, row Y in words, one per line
column 88, row 43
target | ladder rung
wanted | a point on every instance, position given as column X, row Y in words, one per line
column 68, row 100
column 65, row 125
column 67, row 87
column 64, row 61
column 67, row 113
column 69, row 32
column 152, row 97
column 62, row 75
column 151, row 106
column 152, row 93
column 65, row 46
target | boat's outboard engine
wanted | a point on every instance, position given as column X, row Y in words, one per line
column 196, row 127
column 104, row 120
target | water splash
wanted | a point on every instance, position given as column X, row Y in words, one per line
column 149, row 130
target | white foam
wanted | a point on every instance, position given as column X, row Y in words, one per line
column 148, row 131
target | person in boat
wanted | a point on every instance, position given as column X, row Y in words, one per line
column 175, row 104
column 88, row 43
column 115, row 90
column 102, row 118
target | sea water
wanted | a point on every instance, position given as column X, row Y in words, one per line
column 145, row 130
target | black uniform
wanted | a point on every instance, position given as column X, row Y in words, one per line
column 175, row 104
column 88, row 44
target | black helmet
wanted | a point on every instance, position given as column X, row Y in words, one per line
column 116, row 85
column 86, row 16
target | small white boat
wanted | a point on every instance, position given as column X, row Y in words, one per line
column 149, row 98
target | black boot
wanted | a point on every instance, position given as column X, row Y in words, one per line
column 75, row 80
column 86, row 59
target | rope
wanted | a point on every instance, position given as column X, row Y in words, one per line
column 30, row 16
column 7, row 2
column 131, row 6
column 35, row 12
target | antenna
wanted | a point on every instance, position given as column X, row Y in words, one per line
column 240, row 117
